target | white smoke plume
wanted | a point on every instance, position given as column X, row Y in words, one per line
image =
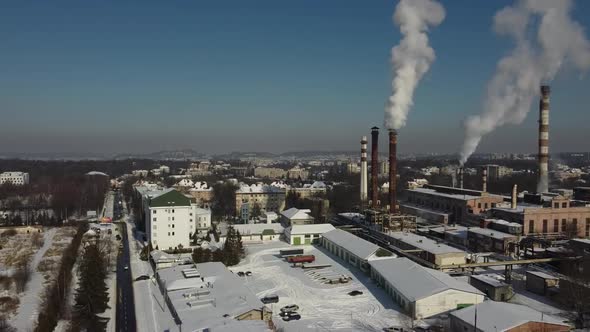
column 546, row 38
column 412, row 58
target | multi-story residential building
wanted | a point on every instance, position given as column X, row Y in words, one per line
column 202, row 193
column 16, row 178
column 171, row 220
column 298, row 173
column 267, row 198
column 199, row 169
column 269, row 172
column 496, row 172
column 559, row 218
column 318, row 188
column 140, row 172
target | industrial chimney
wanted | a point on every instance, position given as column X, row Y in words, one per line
column 460, row 171
column 484, row 179
column 363, row 170
column 392, row 171
column 543, row 185
column 374, row 166
column 514, row 197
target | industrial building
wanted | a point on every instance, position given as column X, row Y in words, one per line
column 491, row 287
column 491, row 316
column 306, row 234
column 14, row 178
column 422, row 292
column 252, row 233
column 207, row 296
column 488, row 240
column 559, row 218
column 432, row 251
column 450, row 205
column 352, row 249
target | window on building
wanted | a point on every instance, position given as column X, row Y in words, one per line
column 172, row 233
column 563, row 225
column 479, row 205
column 556, row 226
column 587, row 228
column 190, row 214
column 531, row 226
column 485, row 206
column 172, row 210
column 575, row 225
column 168, row 233
column 172, row 218
column 556, row 205
column 172, row 225
column 154, row 211
column 154, row 219
column 564, row 205
column 544, row 225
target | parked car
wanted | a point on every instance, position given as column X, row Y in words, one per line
column 240, row 274
column 248, row 273
column 143, row 277
column 290, row 308
column 292, row 316
column 355, row 293
column 270, row 299
column 126, row 267
column 394, row 329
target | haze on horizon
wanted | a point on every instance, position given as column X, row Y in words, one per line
column 111, row 77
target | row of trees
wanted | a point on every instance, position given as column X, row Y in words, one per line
column 92, row 294
column 55, row 300
column 231, row 253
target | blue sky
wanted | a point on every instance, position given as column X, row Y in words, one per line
column 260, row 75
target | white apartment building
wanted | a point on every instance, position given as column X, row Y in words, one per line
column 171, row 220
column 16, row 178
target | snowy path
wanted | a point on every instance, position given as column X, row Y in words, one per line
column 26, row 315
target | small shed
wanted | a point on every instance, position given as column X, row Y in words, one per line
column 491, row 287
column 540, row 282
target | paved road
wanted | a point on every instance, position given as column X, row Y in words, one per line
column 125, row 301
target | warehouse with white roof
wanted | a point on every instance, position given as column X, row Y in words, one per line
column 422, row 292
column 352, row 249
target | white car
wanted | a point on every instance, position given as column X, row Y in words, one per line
column 126, row 267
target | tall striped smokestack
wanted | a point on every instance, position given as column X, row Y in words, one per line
column 484, row 179
column 364, row 169
column 374, row 166
column 392, row 171
column 543, row 185
column 460, row 172
column 514, row 197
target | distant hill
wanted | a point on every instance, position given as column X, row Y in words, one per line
column 182, row 154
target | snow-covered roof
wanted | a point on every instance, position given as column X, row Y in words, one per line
column 352, row 243
column 97, row 173
column 311, row 229
column 210, row 296
column 488, row 279
column 160, row 256
column 491, row 233
column 247, row 229
column 258, row 188
column 415, row 282
column 185, row 183
column 424, row 243
column 295, row 213
column 501, row 316
column 541, row 275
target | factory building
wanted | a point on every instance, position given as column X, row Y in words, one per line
column 352, row 249
column 556, row 219
column 453, row 205
column 488, row 240
column 491, row 316
column 295, row 216
column 429, row 250
column 306, row 234
column 540, row 283
column 422, row 292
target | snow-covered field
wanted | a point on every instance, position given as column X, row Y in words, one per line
column 322, row 307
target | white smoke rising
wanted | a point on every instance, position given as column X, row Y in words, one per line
column 412, row 58
column 536, row 59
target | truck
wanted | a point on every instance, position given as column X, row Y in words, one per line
column 301, row 259
column 291, row 252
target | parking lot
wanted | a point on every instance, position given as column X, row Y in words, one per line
column 322, row 306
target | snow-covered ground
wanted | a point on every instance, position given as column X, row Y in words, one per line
column 27, row 312
column 322, row 307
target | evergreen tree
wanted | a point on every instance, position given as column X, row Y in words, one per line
column 92, row 294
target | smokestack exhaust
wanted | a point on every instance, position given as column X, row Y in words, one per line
column 363, row 170
column 392, row 171
column 484, row 179
column 543, row 185
column 514, row 197
column 374, row 166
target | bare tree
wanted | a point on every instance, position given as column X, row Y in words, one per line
column 22, row 276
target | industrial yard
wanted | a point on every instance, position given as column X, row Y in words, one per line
column 321, row 306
